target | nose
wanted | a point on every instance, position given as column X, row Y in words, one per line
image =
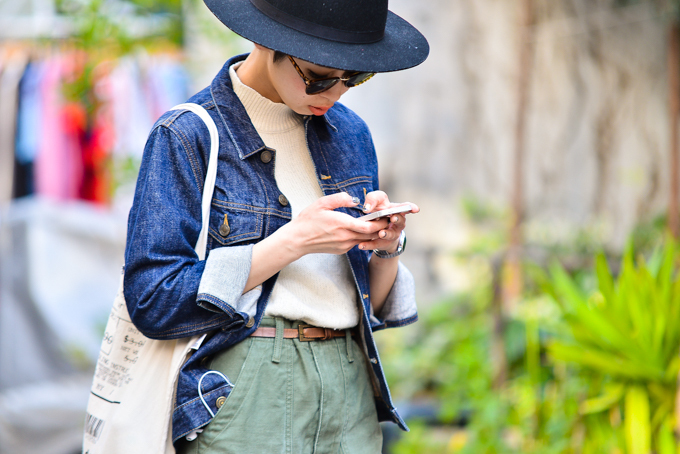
column 336, row 91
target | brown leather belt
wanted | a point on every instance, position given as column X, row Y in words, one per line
column 305, row 333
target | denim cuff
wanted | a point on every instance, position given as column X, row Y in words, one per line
column 400, row 306
column 224, row 278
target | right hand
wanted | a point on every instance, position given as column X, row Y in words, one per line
column 320, row 229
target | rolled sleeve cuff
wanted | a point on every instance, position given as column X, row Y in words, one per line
column 224, row 278
column 400, row 307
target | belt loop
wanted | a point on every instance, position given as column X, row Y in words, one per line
column 348, row 341
column 278, row 341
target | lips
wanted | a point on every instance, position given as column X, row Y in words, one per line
column 318, row 110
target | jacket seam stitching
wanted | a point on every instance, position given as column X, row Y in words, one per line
column 256, row 209
column 346, row 183
column 195, row 167
column 402, row 322
column 190, row 328
column 223, row 305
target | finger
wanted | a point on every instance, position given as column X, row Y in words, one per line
column 341, row 199
column 389, row 234
column 369, row 227
column 367, row 241
column 414, row 208
column 375, row 199
column 385, row 239
column 397, row 220
column 377, row 244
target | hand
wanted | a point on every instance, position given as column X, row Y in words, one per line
column 320, row 229
column 388, row 237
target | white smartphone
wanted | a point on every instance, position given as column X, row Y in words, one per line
column 384, row 213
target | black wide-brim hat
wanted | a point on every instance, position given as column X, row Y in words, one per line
column 352, row 35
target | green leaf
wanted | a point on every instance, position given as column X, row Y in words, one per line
column 613, row 394
column 637, row 424
column 567, row 291
column 661, row 413
column 605, row 334
column 609, row 329
column 666, row 439
column 604, row 362
column 604, row 278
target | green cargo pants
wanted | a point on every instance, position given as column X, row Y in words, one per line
column 292, row 397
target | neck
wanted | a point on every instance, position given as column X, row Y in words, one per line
column 255, row 72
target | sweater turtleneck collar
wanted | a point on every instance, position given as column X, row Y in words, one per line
column 266, row 115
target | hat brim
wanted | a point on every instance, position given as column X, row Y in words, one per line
column 402, row 46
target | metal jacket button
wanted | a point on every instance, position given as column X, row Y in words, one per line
column 283, row 200
column 266, row 156
column 224, row 228
column 250, row 322
column 220, row 401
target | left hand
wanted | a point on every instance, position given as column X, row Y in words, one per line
column 386, row 239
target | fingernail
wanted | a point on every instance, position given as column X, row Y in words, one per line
column 355, row 199
column 361, row 246
column 367, row 207
column 382, row 234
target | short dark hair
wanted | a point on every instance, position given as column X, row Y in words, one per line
column 278, row 56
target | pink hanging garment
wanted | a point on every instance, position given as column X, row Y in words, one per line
column 58, row 166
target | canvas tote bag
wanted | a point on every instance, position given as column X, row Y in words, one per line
column 130, row 405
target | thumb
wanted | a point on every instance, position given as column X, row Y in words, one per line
column 341, row 199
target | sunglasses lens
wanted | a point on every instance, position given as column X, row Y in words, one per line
column 320, row 86
column 358, row 79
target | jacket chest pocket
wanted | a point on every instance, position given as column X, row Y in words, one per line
column 235, row 223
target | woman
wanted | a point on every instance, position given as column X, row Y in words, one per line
column 294, row 284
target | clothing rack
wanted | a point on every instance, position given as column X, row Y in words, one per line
column 66, row 148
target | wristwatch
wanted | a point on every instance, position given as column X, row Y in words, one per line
column 399, row 251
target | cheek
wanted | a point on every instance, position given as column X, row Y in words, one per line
column 292, row 92
column 297, row 102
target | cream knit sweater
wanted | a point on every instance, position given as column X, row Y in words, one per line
column 318, row 288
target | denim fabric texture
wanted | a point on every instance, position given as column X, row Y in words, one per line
column 171, row 294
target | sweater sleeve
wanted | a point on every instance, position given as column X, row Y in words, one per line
column 400, row 307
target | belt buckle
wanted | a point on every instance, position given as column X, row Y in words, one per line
column 301, row 333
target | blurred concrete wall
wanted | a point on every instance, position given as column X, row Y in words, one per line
column 597, row 130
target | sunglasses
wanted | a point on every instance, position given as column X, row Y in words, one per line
column 316, row 86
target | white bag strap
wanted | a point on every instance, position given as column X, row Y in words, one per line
column 210, row 177
column 208, row 186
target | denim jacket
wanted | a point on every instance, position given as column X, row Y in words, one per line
column 171, row 294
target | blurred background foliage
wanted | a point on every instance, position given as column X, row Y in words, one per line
column 107, row 30
column 588, row 359
column 554, row 347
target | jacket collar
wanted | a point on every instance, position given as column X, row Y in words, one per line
column 242, row 132
column 232, row 112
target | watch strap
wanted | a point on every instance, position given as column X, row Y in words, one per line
column 400, row 248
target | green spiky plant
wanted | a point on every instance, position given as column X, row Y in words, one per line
column 626, row 335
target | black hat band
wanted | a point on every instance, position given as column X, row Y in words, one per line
column 318, row 30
